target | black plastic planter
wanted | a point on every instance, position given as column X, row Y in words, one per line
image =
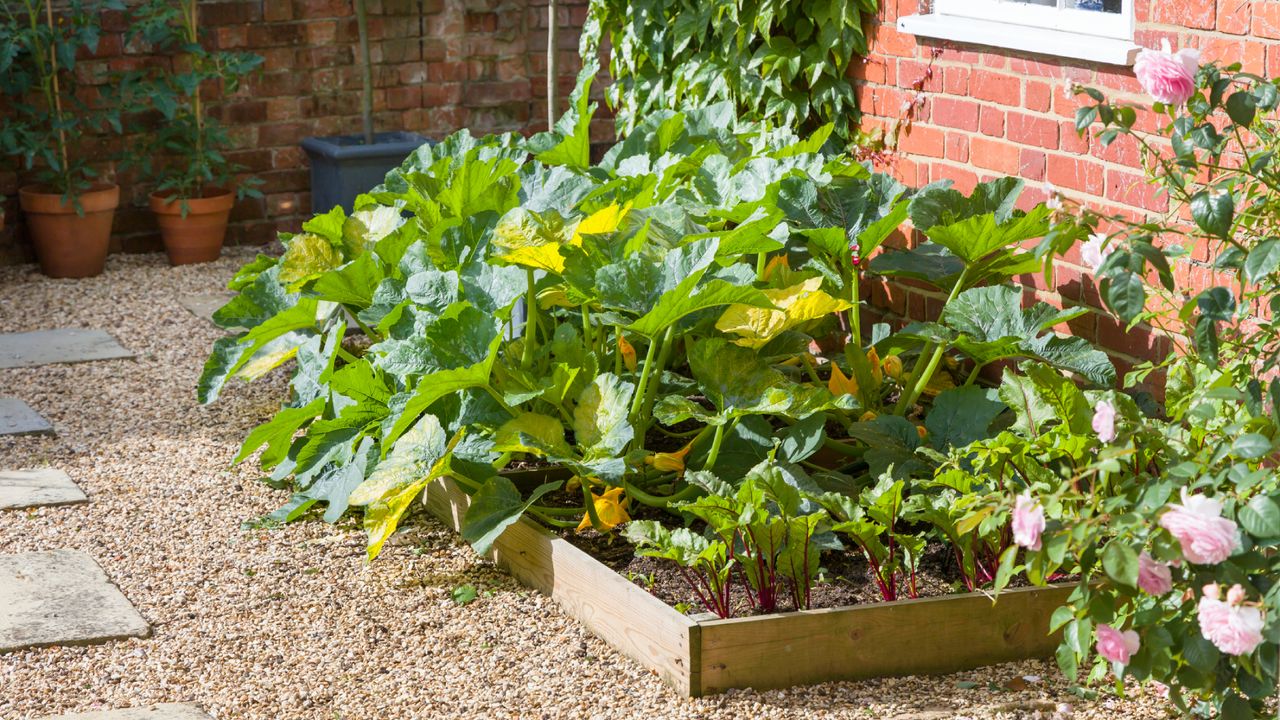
column 343, row 166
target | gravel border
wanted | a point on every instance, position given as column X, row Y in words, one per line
column 275, row 624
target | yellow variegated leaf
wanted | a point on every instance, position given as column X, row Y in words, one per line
column 795, row 305
column 382, row 517
column 604, row 220
column 522, row 239
column 365, row 227
column 754, row 326
column 810, row 304
column 972, row 520
column 271, row 356
column 421, row 454
column 532, row 433
column 554, row 297
column 306, row 256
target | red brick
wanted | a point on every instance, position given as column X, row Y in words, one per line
column 956, row 80
column 1039, row 96
column 1133, row 190
column 996, row 88
column 1072, row 173
column 1266, row 20
column 1003, row 157
column 991, row 121
column 1197, row 14
column 952, row 113
column 1032, row 164
column 923, row 140
column 957, row 147
column 1032, row 130
column 1234, row 16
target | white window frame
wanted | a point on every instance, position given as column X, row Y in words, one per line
column 1080, row 34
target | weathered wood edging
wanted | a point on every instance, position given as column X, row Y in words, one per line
column 702, row 657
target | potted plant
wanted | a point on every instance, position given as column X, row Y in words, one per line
column 68, row 209
column 195, row 184
column 343, row 166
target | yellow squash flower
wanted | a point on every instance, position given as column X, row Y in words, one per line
column 940, row 382
column 779, row 264
column 670, row 462
column 628, row 353
column 893, row 367
column 839, row 384
column 611, row 509
column 867, row 416
column 873, row 359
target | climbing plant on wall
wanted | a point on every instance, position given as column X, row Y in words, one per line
column 781, row 61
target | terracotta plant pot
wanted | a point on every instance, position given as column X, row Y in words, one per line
column 196, row 235
column 70, row 244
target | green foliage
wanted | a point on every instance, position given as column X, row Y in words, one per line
column 518, row 311
column 183, row 155
column 1211, row 446
column 766, row 529
column 635, row 250
column 785, row 62
column 50, row 121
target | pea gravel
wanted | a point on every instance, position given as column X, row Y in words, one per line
column 275, row 624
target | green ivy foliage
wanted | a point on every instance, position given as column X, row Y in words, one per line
column 784, row 62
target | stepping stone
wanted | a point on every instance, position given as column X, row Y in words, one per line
column 17, row 418
column 65, row 345
column 167, row 711
column 203, row 305
column 29, row 488
column 61, row 597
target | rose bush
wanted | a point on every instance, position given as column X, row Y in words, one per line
column 1167, row 514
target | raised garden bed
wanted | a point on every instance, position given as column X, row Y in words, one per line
column 703, row 655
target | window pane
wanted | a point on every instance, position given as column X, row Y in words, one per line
column 1107, row 6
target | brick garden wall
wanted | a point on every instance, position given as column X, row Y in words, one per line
column 986, row 112
column 439, row 65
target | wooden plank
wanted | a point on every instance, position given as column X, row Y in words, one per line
column 910, row 637
column 619, row 612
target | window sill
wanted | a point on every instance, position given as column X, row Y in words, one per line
column 1042, row 41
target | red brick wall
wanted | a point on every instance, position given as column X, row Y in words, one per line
column 439, row 65
column 985, row 112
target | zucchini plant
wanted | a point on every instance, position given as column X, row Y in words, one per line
column 630, row 322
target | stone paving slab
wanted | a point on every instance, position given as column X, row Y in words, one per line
column 17, row 418
column 64, row 345
column 167, row 711
column 203, row 305
column 61, row 597
column 31, row 488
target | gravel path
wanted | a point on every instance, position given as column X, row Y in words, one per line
column 275, row 624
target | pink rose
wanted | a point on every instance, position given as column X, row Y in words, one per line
column 1154, row 577
column 1104, row 421
column 1206, row 537
column 1234, row 629
column 1169, row 78
column 1028, row 522
column 1117, row 646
